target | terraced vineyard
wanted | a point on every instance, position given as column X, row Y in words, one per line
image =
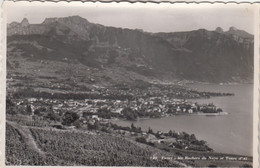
column 44, row 146
column 94, row 149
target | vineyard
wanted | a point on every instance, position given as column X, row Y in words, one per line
column 94, row 149
column 68, row 148
column 19, row 153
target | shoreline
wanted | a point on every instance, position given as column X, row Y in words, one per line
column 171, row 115
column 125, row 123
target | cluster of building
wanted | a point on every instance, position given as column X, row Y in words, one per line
column 163, row 106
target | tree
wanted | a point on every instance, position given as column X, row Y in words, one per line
column 104, row 113
column 94, row 126
column 77, row 123
column 157, row 134
column 129, row 113
column 10, row 107
column 150, row 131
column 29, row 109
column 69, row 118
column 53, row 116
column 139, row 129
column 185, row 136
column 170, row 133
column 37, row 112
column 193, row 137
column 133, row 126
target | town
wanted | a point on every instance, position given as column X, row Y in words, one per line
column 129, row 109
column 121, row 101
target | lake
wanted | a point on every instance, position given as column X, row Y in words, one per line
column 231, row 133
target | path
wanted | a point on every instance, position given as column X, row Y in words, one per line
column 28, row 138
column 31, row 144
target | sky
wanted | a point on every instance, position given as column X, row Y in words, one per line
column 149, row 17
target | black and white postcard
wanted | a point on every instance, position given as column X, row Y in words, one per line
column 129, row 84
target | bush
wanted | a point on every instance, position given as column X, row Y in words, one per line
column 140, row 139
column 69, row 118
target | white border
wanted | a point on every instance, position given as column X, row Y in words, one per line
column 3, row 69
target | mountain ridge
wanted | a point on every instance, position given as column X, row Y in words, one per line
column 198, row 55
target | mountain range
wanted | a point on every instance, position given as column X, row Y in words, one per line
column 120, row 54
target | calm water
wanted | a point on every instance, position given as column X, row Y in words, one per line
column 229, row 133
